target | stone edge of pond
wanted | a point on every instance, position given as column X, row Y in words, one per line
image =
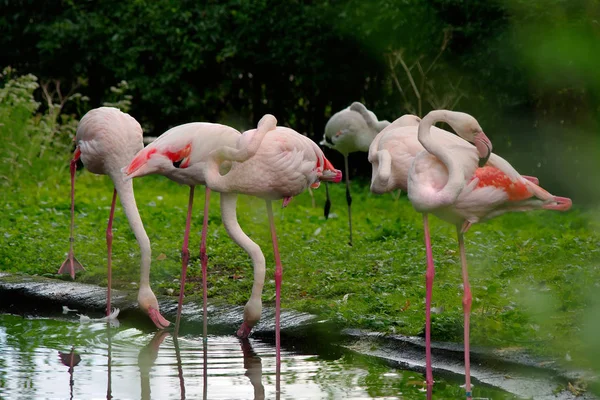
column 41, row 295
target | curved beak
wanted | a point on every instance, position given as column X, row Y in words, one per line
column 484, row 148
column 330, row 174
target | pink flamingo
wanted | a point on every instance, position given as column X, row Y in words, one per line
column 272, row 163
column 443, row 176
column 107, row 140
column 347, row 131
column 181, row 154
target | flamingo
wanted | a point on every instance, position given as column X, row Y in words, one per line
column 270, row 162
column 457, row 182
column 347, row 131
column 107, row 140
column 180, row 154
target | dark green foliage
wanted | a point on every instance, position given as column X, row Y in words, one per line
column 525, row 69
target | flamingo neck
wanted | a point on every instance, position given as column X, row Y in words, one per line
column 125, row 191
column 456, row 180
column 230, row 222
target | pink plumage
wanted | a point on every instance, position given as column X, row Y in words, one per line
column 107, row 139
column 442, row 175
column 181, row 154
column 272, row 163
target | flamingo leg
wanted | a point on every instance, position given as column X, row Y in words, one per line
column 185, row 258
column 109, row 239
column 278, row 277
column 204, row 370
column 327, row 201
column 179, row 367
column 467, row 299
column 204, row 261
column 312, row 197
column 71, row 265
column 429, row 288
column 348, row 197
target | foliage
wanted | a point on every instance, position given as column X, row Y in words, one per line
column 31, row 142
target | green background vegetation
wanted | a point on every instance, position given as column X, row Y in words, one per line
column 526, row 69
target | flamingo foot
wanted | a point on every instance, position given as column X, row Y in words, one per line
column 244, row 331
column 70, row 266
column 157, row 318
column 286, row 201
column 559, row 204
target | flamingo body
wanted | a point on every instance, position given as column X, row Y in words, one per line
column 286, row 164
column 107, row 139
column 272, row 163
column 181, row 154
column 443, row 176
column 349, row 130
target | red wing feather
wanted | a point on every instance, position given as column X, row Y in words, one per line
column 492, row 176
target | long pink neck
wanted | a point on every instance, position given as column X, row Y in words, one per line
column 456, row 180
column 125, row 191
column 230, row 222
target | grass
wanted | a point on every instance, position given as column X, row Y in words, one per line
column 534, row 276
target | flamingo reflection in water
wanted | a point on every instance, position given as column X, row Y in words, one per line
column 71, row 360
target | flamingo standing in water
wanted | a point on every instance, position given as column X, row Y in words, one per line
column 107, row 139
column 347, row 131
column 459, row 183
column 272, row 163
column 180, row 154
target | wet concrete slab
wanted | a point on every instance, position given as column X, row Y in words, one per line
column 511, row 370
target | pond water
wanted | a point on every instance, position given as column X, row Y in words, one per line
column 43, row 358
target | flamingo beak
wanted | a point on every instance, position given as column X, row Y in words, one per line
column 244, row 330
column 484, row 148
column 330, row 174
column 159, row 320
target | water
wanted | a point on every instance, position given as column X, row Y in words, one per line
column 127, row 363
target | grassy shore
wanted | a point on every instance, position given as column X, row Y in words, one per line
column 534, row 276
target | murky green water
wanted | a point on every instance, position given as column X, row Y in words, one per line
column 60, row 359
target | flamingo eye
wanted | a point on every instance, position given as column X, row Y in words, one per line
column 177, row 164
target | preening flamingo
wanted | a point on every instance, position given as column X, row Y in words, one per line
column 272, row 163
column 443, row 176
column 180, row 154
column 107, row 139
column 347, row 131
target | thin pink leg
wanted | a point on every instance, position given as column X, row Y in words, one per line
column 204, row 262
column 467, row 310
column 109, row 238
column 429, row 289
column 185, row 257
column 71, row 265
column 278, row 276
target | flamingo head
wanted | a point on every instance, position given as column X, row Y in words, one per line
column 469, row 129
column 149, row 305
column 252, row 312
column 161, row 158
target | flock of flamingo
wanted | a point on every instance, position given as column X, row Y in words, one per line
column 455, row 177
